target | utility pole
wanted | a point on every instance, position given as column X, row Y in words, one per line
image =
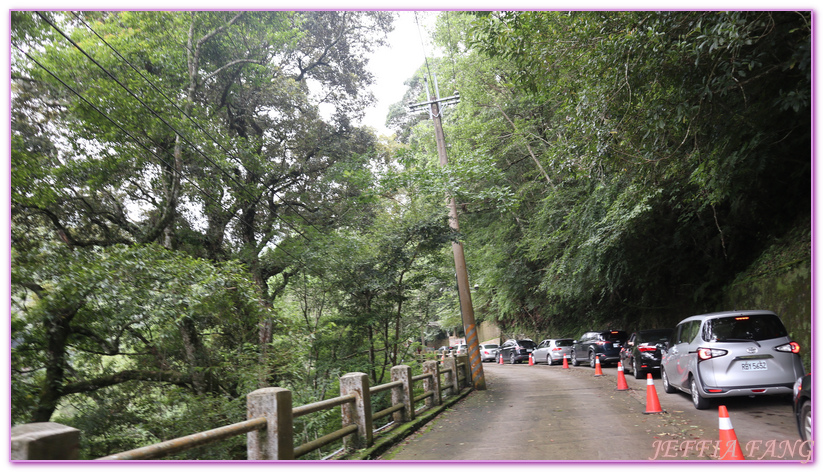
column 463, row 290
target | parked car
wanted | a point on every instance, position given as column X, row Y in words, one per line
column 605, row 345
column 803, row 406
column 641, row 354
column 488, row 352
column 731, row 353
column 551, row 351
column 461, row 349
column 514, row 351
column 444, row 350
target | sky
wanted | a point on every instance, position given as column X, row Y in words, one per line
column 392, row 65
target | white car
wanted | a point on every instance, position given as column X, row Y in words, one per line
column 488, row 352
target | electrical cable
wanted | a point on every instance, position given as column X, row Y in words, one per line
column 267, row 188
column 139, row 143
column 142, row 103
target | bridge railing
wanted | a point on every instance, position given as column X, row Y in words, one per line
column 270, row 427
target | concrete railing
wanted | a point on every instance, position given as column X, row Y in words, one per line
column 270, row 427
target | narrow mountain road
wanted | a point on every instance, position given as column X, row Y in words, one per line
column 548, row 413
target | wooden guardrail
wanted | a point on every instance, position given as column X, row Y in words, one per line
column 270, row 428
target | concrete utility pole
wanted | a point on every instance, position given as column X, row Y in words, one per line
column 463, row 290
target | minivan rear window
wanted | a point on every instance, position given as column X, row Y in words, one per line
column 744, row 328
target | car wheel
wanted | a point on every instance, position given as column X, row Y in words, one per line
column 511, row 360
column 667, row 387
column 574, row 359
column 699, row 402
column 591, row 359
column 806, row 421
column 638, row 374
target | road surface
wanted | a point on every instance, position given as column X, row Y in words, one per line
column 549, row 413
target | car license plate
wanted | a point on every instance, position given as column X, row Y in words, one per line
column 528, row 350
column 753, row 366
column 616, row 344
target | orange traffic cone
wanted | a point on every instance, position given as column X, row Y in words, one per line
column 729, row 445
column 597, row 370
column 621, row 378
column 443, row 357
column 652, row 403
column 565, row 361
column 501, row 359
column 531, row 359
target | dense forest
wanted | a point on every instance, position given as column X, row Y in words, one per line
column 196, row 213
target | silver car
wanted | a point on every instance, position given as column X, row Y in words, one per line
column 552, row 351
column 488, row 352
column 732, row 353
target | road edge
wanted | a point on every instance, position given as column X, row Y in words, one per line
column 402, row 431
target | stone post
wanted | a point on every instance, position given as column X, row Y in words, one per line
column 403, row 394
column 277, row 440
column 450, row 378
column 467, row 371
column 432, row 384
column 359, row 413
column 44, row 441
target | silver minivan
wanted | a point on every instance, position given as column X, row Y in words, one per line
column 732, row 353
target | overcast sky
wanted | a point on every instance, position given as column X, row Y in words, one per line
column 394, row 64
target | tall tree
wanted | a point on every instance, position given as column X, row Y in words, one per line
column 223, row 136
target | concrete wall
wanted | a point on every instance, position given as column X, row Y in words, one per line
column 488, row 332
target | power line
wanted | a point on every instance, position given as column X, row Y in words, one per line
column 139, row 143
column 254, row 198
column 241, row 186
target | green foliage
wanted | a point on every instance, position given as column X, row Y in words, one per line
column 658, row 144
column 188, row 226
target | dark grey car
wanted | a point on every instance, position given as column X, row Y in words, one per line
column 641, row 353
column 732, row 353
column 515, row 351
column 604, row 345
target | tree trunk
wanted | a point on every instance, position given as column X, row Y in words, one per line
column 58, row 331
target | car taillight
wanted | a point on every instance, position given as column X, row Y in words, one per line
column 792, row 347
column 600, row 343
column 557, row 349
column 705, row 353
column 646, row 348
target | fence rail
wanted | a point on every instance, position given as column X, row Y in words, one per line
column 270, row 427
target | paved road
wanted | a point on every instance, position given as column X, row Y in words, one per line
column 548, row 413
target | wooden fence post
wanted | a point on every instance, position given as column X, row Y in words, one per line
column 403, row 394
column 432, row 384
column 360, row 413
column 277, row 441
